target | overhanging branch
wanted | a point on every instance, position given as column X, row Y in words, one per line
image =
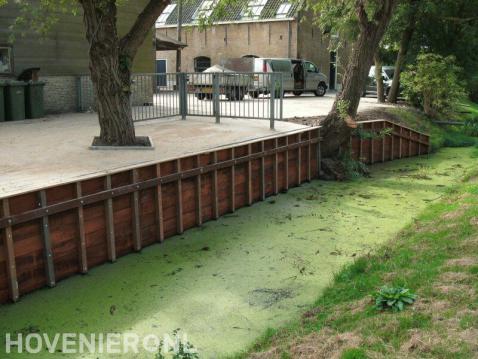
column 130, row 43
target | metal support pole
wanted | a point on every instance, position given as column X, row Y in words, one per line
column 272, row 100
column 183, row 95
column 215, row 97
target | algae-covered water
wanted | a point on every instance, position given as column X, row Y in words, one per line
column 225, row 283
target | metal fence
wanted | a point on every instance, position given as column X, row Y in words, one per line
column 216, row 95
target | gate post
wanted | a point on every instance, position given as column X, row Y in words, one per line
column 215, row 97
column 183, row 95
column 272, row 100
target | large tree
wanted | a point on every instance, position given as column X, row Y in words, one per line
column 111, row 55
column 365, row 21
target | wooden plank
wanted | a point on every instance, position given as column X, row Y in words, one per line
column 276, row 168
column 198, row 193
column 179, row 200
column 392, row 144
column 286, row 164
column 400, row 143
column 309, row 158
column 136, row 214
column 249, row 176
column 10, row 255
column 319, row 156
column 299, row 162
column 46, row 238
column 215, row 193
column 81, row 232
column 159, row 205
column 263, row 174
column 384, row 125
column 110, row 226
column 233, row 182
column 410, row 143
column 371, row 143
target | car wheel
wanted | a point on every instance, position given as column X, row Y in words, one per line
column 297, row 93
column 200, row 96
column 321, row 90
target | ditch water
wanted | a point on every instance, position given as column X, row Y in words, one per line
column 224, row 284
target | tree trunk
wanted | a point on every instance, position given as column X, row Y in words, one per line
column 338, row 124
column 407, row 36
column 379, row 79
column 110, row 75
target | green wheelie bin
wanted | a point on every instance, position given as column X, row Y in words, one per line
column 2, row 101
column 34, row 104
column 15, row 100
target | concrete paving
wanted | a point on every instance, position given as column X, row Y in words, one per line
column 308, row 105
column 47, row 152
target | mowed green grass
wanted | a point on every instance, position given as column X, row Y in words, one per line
column 436, row 257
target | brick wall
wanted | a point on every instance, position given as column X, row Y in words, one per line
column 60, row 94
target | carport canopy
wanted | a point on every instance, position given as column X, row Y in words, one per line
column 164, row 43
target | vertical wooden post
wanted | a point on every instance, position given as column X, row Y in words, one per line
column 371, row 143
column 263, row 173
column 360, row 144
column 10, row 255
column 419, row 144
column 400, row 142
column 179, row 199
column 409, row 143
column 383, row 142
column 309, row 158
column 392, row 145
column 249, row 175
column 198, row 193
column 159, row 205
column 110, row 226
column 319, row 154
column 286, row 163
column 48, row 253
column 81, row 232
column 215, row 194
column 136, row 214
column 299, row 160
column 275, row 169
column 233, row 182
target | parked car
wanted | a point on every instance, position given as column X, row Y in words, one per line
column 387, row 76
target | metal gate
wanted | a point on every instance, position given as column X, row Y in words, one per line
column 217, row 95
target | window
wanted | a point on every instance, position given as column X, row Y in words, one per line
column 310, row 67
column 283, row 10
column 165, row 15
column 281, row 66
column 205, row 10
column 201, row 63
column 6, row 61
column 254, row 9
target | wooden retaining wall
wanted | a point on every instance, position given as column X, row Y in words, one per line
column 381, row 141
column 54, row 233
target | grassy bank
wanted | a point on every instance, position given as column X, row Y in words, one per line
column 436, row 257
column 441, row 136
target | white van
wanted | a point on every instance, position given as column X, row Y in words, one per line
column 298, row 76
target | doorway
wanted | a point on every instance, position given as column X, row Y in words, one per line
column 161, row 68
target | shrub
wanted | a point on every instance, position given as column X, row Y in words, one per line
column 471, row 127
column 433, row 84
column 394, row 298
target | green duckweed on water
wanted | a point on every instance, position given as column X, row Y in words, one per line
column 224, row 284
